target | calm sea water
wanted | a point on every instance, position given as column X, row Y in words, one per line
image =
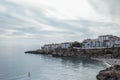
column 15, row 65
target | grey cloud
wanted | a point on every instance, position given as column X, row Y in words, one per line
column 96, row 27
column 11, row 22
column 89, row 23
column 106, row 7
column 80, row 26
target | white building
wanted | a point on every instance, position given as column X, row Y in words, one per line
column 87, row 43
column 46, row 46
column 54, row 46
column 104, row 41
column 65, row 45
column 49, row 46
column 104, row 37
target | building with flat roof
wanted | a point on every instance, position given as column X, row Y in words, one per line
column 103, row 41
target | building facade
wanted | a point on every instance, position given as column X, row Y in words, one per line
column 65, row 45
column 54, row 46
column 103, row 41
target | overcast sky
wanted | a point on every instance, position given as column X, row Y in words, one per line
column 49, row 21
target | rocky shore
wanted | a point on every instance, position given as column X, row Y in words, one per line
column 111, row 73
column 110, row 62
column 95, row 53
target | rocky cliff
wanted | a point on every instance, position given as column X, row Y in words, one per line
column 97, row 53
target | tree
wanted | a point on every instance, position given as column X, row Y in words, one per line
column 76, row 44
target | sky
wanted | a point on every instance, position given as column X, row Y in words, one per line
column 55, row 21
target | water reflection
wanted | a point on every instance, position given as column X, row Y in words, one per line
column 75, row 62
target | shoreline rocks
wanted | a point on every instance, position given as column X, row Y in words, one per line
column 111, row 73
column 108, row 61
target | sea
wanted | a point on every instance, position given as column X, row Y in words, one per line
column 16, row 65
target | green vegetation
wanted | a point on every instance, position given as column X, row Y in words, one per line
column 76, row 44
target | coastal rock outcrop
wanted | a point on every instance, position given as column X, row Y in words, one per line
column 111, row 73
column 69, row 52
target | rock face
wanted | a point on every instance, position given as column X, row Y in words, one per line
column 111, row 73
column 97, row 53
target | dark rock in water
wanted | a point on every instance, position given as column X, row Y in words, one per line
column 35, row 52
column 111, row 73
column 30, row 51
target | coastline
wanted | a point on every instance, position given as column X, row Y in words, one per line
column 109, row 56
column 108, row 62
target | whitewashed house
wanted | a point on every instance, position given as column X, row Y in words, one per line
column 54, row 46
column 116, row 43
column 87, row 43
column 65, row 45
column 46, row 46
column 104, row 41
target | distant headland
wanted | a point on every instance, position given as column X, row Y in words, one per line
column 105, row 46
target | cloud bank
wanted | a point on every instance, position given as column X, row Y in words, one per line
column 51, row 21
